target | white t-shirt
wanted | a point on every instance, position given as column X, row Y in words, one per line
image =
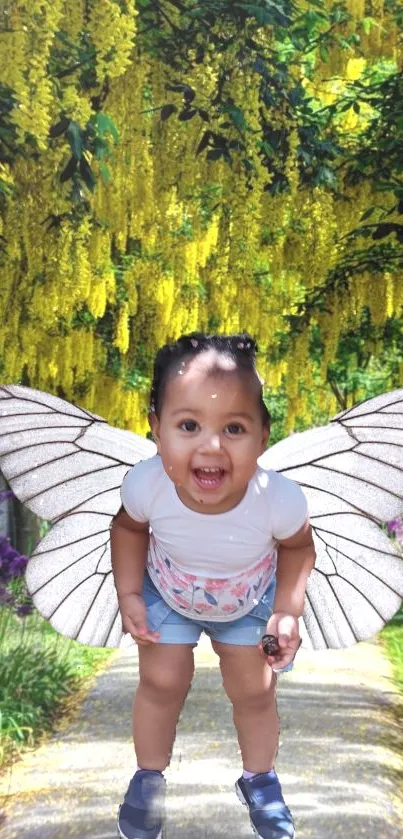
column 213, row 565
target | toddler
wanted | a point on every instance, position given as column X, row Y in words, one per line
column 207, row 541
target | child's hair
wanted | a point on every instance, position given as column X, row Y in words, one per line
column 240, row 348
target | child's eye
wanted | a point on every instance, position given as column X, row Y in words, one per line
column 235, row 428
column 188, row 425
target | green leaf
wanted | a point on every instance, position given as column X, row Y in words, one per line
column 270, row 15
column 296, row 96
column 75, row 138
column 177, row 88
column 87, row 174
column 248, row 164
column 267, row 148
column 306, row 156
column 167, row 111
column 324, row 52
column 237, row 117
column 385, row 230
column 69, row 170
column 105, row 173
column 261, row 15
column 368, row 213
column 106, row 125
column 101, row 149
column 311, row 20
column 236, row 145
column 215, row 154
column 60, row 128
column 189, row 94
column 326, row 177
column 203, row 142
column 367, row 24
column 186, row 114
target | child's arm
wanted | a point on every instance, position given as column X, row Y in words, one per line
column 295, row 560
column 129, row 545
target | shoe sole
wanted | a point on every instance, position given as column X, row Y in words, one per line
column 161, row 834
column 243, row 801
column 123, row 835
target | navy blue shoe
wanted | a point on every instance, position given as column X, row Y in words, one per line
column 269, row 815
column 141, row 816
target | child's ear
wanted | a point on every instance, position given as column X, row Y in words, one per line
column 265, row 438
column 155, row 428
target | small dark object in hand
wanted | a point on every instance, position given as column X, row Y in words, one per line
column 270, row 645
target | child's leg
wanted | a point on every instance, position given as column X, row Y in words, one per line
column 251, row 686
column 166, row 672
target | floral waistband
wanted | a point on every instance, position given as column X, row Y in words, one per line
column 210, row 598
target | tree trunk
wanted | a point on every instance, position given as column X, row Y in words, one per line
column 5, row 509
column 26, row 528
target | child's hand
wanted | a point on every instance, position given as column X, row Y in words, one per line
column 285, row 628
column 134, row 618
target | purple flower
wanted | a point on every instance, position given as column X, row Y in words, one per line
column 5, row 571
column 5, row 494
column 12, row 567
column 18, row 565
column 12, row 563
column 4, row 545
column 395, row 528
column 24, row 609
column 7, row 552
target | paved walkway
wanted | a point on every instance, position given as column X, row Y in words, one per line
column 338, row 761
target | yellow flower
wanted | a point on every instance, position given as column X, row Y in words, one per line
column 355, row 68
column 168, row 241
column 122, row 335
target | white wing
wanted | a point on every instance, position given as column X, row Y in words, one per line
column 67, row 466
column 352, row 474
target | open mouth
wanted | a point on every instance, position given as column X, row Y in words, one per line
column 209, row 477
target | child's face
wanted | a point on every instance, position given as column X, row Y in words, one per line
column 210, row 433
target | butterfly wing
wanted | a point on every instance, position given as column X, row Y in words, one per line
column 352, row 474
column 67, row 465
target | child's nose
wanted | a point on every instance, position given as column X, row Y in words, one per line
column 211, row 442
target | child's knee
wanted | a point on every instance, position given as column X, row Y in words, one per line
column 246, row 676
column 168, row 678
column 254, row 693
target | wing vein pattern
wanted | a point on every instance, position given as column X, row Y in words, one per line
column 351, row 472
column 67, row 465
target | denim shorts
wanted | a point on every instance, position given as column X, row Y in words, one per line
column 175, row 628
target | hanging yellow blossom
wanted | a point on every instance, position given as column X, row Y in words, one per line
column 122, row 329
column 96, row 278
column 112, row 30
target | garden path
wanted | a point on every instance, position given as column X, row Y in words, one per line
column 338, row 761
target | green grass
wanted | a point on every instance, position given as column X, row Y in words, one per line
column 40, row 673
column 391, row 639
column 392, row 642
